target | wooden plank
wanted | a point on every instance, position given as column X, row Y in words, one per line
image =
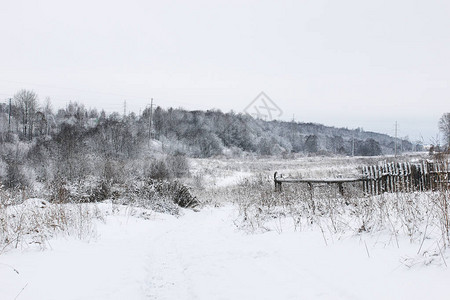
column 364, row 175
column 366, row 183
column 402, row 174
column 391, row 177
column 374, row 174
column 431, row 171
column 416, row 175
column 406, row 177
column 378, row 174
column 429, row 175
column 422, row 177
column 409, row 178
column 412, row 171
column 371, row 179
column 439, row 176
column 318, row 180
column 380, row 179
column 395, row 177
column 414, row 178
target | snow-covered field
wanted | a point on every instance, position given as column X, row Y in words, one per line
column 224, row 172
column 230, row 249
column 203, row 255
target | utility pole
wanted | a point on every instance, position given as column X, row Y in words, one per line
column 25, row 119
column 150, row 119
column 293, row 128
column 46, row 120
column 353, row 144
column 395, row 139
column 124, row 109
column 9, row 118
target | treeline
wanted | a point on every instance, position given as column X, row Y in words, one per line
column 209, row 133
column 74, row 143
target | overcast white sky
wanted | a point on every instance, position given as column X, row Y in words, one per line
column 341, row 63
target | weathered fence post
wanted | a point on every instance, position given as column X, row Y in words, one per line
column 341, row 189
column 277, row 183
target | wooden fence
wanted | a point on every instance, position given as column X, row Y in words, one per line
column 387, row 178
column 405, row 177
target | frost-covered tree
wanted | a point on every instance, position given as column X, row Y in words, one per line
column 444, row 127
column 26, row 102
column 312, row 144
column 370, row 147
column 79, row 144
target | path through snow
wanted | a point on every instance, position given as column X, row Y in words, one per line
column 202, row 255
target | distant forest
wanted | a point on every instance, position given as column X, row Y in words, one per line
column 77, row 141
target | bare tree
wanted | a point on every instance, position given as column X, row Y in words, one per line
column 444, row 126
column 26, row 101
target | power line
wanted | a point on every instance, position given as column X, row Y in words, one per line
column 134, row 97
column 73, row 89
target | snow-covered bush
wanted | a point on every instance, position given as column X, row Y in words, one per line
column 160, row 196
column 178, row 165
column 167, row 167
column 158, row 169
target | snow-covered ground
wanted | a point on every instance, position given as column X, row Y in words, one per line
column 203, row 255
column 223, row 172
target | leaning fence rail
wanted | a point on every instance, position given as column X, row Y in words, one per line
column 279, row 180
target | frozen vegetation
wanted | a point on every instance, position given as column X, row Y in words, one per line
column 96, row 206
column 241, row 240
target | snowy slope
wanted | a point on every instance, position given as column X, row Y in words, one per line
column 203, row 255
